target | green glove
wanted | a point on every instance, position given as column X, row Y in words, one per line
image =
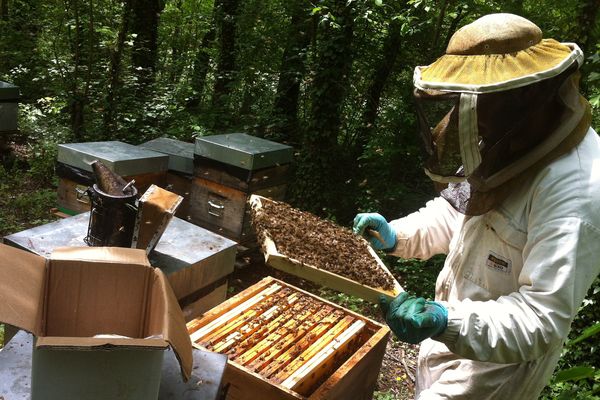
column 386, row 235
column 414, row 319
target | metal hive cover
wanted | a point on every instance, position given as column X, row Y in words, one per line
column 243, row 150
column 9, row 91
column 181, row 154
column 121, row 158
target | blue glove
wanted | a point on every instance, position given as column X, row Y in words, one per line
column 385, row 236
column 414, row 319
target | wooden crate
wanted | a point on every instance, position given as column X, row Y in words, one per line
column 284, row 343
column 180, row 184
column 248, row 181
column 193, row 308
column 71, row 203
column 225, row 210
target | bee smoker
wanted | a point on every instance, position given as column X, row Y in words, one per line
column 112, row 217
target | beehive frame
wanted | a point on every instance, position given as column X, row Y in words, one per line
column 284, row 343
column 321, row 276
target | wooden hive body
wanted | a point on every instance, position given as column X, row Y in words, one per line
column 284, row 343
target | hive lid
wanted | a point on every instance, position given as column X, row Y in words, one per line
column 243, row 150
column 8, row 91
column 181, row 154
column 122, row 158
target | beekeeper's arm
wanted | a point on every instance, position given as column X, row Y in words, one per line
column 560, row 263
column 421, row 234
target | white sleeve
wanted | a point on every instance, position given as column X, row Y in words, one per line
column 426, row 232
column 561, row 262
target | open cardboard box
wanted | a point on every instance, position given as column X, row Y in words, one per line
column 101, row 319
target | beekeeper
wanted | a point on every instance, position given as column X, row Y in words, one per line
column 517, row 165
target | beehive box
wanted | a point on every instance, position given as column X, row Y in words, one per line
column 9, row 107
column 131, row 162
column 227, row 170
column 284, row 343
column 181, row 168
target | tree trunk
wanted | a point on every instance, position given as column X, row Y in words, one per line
column 514, row 7
column 201, row 68
column 460, row 15
column 4, row 10
column 114, row 75
column 318, row 170
column 144, row 23
column 177, row 65
column 382, row 71
column 77, row 98
column 587, row 35
column 588, row 27
column 292, row 70
column 438, row 27
column 226, row 66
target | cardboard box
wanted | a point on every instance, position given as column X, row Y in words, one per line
column 286, row 344
column 196, row 261
column 101, row 317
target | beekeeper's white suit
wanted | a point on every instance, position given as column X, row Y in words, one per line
column 521, row 231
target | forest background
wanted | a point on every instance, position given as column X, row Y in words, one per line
column 332, row 78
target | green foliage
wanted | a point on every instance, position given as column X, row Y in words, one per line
column 577, row 375
column 416, row 276
column 383, row 396
column 23, row 201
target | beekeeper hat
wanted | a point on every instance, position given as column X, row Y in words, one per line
column 494, row 53
column 500, row 102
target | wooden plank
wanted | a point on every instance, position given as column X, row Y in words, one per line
column 247, row 181
column 280, row 356
column 205, row 303
column 311, row 337
column 249, row 329
column 243, row 384
column 241, row 319
column 310, row 351
column 322, row 276
column 356, row 378
column 306, row 377
column 181, row 185
column 233, row 302
column 275, row 333
column 264, row 331
column 205, row 330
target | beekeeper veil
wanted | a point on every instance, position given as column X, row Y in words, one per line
column 502, row 102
